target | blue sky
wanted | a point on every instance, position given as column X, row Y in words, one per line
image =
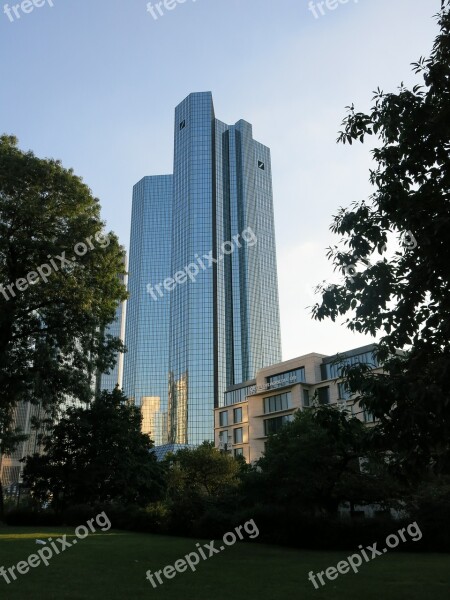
column 95, row 82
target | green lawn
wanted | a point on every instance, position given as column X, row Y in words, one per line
column 112, row 565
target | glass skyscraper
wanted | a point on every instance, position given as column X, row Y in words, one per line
column 212, row 220
column 108, row 381
column 146, row 364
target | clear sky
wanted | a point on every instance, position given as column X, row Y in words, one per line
column 95, row 83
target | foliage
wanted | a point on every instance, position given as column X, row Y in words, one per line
column 405, row 295
column 314, row 464
column 95, row 455
column 51, row 341
column 200, row 480
column 203, row 471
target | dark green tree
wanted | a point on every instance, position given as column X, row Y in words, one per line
column 314, row 463
column 401, row 291
column 96, row 454
column 203, row 470
column 59, row 285
column 200, row 480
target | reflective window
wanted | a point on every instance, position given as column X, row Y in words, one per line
column 238, row 435
column 333, row 369
column 239, row 395
column 344, row 392
column 274, row 425
column 223, row 418
column 237, row 415
column 324, row 395
column 368, row 417
column 306, row 400
column 276, row 403
column 286, row 378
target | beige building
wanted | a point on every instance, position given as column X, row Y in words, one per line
column 255, row 409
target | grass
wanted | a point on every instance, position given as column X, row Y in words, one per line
column 112, row 566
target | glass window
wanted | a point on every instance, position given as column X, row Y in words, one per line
column 238, row 451
column 223, row 418
column 276, row 403
column 306, row 401
column 286, row 378
column 223, row 437
column 237, row 415
column 324, row 395
column 333, row 369
column 239, row 395
column 344, row 392
column 274, row 425
column 368, row 417
column 238, row 435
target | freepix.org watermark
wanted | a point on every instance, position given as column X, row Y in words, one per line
column 192, row 559
column 16, row 11
column 355, row 561
column 192, row 270
column 45, row 554
column 44, row 271
column 319, row 9
column 158, row 9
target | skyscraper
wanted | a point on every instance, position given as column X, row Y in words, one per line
column 190, row 337
column 108, row 381
column 147, row 330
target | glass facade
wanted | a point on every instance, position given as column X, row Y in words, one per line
column 222, row 324
column 146, row 362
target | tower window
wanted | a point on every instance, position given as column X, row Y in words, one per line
column 261, row 165
column 182, row 125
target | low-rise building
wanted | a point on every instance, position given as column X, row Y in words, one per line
column 252, row 411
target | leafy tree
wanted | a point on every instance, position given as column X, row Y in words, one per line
column 96, row 454
column 200, row 480
column 313, row 464
column 405, row 295
column 203, row 470
column 59, row 284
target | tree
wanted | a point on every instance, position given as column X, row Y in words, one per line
column 95, row 455
column 203, row 470
column 313, row 464
column 405, row 295
column 200, row 480
column 59, row 285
